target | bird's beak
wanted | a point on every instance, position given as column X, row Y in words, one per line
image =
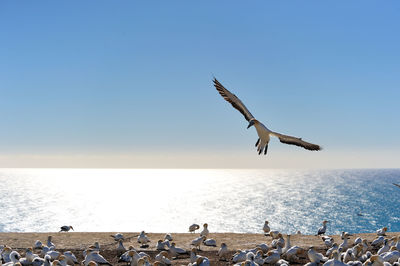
column 250, row 124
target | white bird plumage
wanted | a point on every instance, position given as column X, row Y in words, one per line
column 205, row 231
column 263, row 132
column 143, row 239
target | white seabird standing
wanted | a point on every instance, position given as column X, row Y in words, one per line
column 223, row 252
column 263, row 132
column 197, row 242
column 322, row 230
column 205, row 231
column 143, row 240
column 266, row 228
column 120, row 249
column 49, row 243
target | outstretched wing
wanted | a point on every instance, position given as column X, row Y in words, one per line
column 397, row 185
column 297, row 141
column 235, row 101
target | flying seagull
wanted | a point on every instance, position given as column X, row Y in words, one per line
column 263, row 132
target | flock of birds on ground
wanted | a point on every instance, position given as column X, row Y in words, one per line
column 279, row 252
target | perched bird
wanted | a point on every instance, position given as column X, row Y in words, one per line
column 168, row 237
column 263, row 132
column 378, row 241
column 289, row 251
column 210, row 242
column 193, row 228
column 118, row 236
column 375, row 260
column 264, row 247
column 62, row 261
column 335, row 260
column 343, row 234
column 384, row 248
column 364, row 243
column 143, row 240
column 202, row 261
column 38, row 244
column 53, row 254
column 197, row 242
column 278, row 241
column 163, row 258
column 358, row 240
column 292, row 254
column 259, row 257
column 193, row 255
column 329, row 252
column 322, row 230
column 250, row 257
column 357, row 250
column 175, row 251
column 95, row 246
column 272, row 257
column 96, row 257
column 396, row 242
column 273, row 234
column 223, row 252
column 365, row 256
column 239, row 256
column 382, row 231
column 328, row 241
column 391, row 256
column 160, row 246
column 125, row 257
column 266, row 228
column 29, row 255
column 348, row 256
column 314, row 256
column 66, row 228
column 38, row 261
column 45, row 249
column 14, row 257
column 70, row 258
column 345, row 245
column 49, row 243
column 136, row 257
column 205, row 231
column 120, row 249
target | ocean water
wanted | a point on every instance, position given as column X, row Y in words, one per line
column 170, row 200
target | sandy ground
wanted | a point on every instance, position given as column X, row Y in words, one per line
column 77, row 242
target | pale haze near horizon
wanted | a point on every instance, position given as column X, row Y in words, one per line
column 128, row 85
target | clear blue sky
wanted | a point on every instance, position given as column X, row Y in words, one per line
column 128, row 77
